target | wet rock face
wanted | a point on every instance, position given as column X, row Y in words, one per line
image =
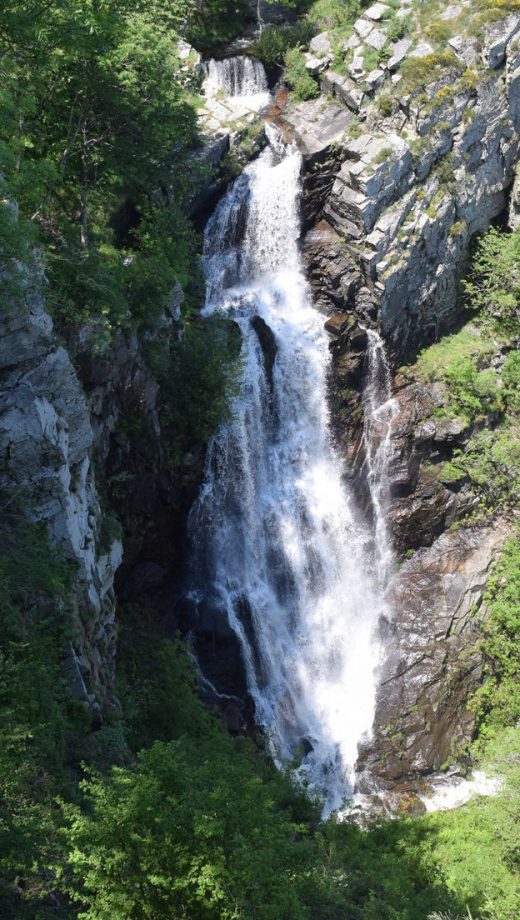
column 331, row 271
column 421, row 506
column 433, row 666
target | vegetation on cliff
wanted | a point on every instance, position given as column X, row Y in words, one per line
column 478, row 369
column 98, row 117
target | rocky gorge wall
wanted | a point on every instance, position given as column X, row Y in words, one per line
column 393, row 195
column 83, row 449
column 423, row 158
column 46, row 441
column 398, row 180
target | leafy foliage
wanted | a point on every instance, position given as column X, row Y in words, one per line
column 477, row 847
column 37, row 714
column 298, row 77
column 494, row 285
column 95, row 112
column 272, row 44
column 211, row 22
column 497, row 702
column 198, row 382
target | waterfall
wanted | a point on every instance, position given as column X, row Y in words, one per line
column 277, row 546
column 380, row 411
column 236, row 77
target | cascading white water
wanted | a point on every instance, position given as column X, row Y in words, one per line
column 237, row 78
column 380, row 411
column 276, row 542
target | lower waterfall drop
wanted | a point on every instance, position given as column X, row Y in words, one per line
column 277, row 546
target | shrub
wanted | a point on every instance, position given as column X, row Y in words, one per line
column 451, row 350
column 491, row 463
column 420, row 72
column 383, row 155
column 494, row 284
column 440, row 32
column 298, row 77
column 202, row 377
column 398, row 28
column 511, row 382
column 273, row 43
column 497, row 702
column 471, row 392
column 385, row 104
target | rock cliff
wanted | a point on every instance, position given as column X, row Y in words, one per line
column 46, row 440
column 425, row 148
column 83, row 448
column 432, row 664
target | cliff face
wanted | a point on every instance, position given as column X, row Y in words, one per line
column 425, row 161
column 433, row 664
column 393, row 194
column 81, row 445
column 46, row 440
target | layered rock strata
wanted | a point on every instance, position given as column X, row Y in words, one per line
column 426, row 162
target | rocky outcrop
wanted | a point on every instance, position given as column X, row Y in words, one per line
column 425, row 165
column 150, row 491
column 46, row 440
column 84, row 445
column 433, row 665
column 424, row 434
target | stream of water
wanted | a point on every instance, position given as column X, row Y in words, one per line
column 278, row 545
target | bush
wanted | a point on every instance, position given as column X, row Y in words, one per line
column 491, row 462
column 476, row 847
column 37, row 715
column 469, row 342
column 497, row 702
column 213, row 22
column 333, row 14
column 494, row 283
column 511, row 382
column 420, row 72
column 398, row 28
column 471, row 392
column 273, row 43
column 298, row 77
column 200, row 380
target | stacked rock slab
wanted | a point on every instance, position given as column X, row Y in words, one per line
column 417, row 184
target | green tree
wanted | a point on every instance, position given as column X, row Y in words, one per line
column 494, row 285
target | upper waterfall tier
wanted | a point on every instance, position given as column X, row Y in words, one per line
column 237, row 78
column 277, row 545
